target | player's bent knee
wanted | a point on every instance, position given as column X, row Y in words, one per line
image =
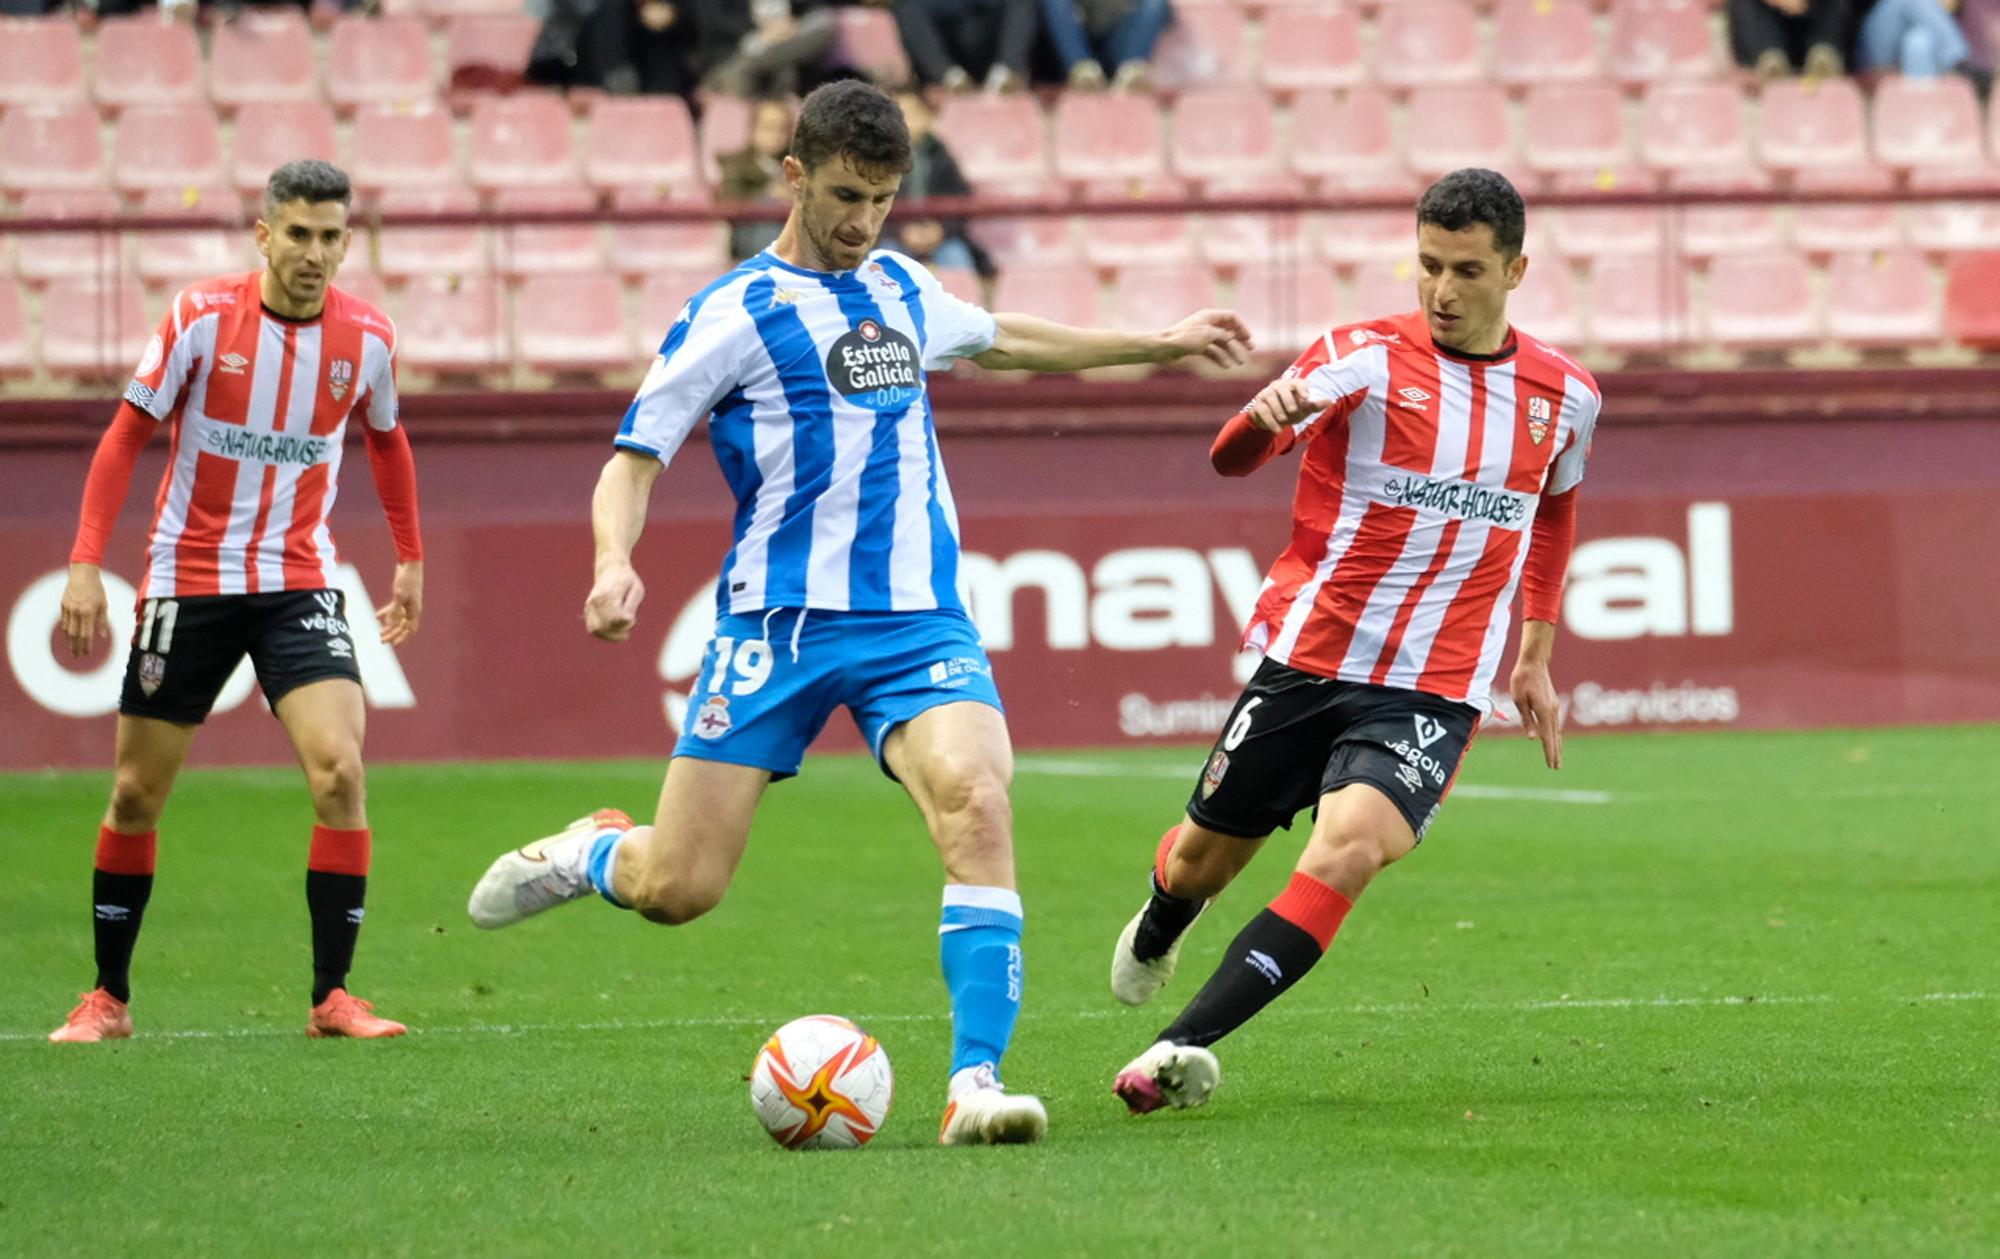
column 338, row 779
column 137, row 801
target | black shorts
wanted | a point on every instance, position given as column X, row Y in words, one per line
column 1295, row 736
column 185, row 649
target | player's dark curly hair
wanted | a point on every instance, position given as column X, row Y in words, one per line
column 309, row 180
column 855, row 119
column 1472, row 195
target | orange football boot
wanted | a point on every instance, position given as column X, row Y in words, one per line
column 342, row 1014
column 98, row 1016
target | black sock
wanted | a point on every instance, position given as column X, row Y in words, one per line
column 1266, row 957
column 336, row 904
column 1167, row 916
column 118, row 902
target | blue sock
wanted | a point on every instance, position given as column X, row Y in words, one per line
column 979, row 944
column 603, row 863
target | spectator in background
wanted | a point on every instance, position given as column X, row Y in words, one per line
column 937, row 243
column 757, row 48
column 1776, row 37
column 955, row 43
column 1100, row 38
column 621, row 46
column 1979, row 22
column 756, row 173
column 1919, row 38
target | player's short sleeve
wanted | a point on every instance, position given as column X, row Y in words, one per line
column 700, row 361
column 1342, row 380
column 953, row 327
column 162, row 373
column 1567, row 473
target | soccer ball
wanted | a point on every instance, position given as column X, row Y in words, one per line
column 821, row 1083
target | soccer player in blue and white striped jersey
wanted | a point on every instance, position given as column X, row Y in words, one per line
column 810, row 362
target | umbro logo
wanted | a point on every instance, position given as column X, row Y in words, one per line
column 1429, row 730
column 1412, row 397
column 354, row 916
column 1266, row 965
column 233, row 364
column 112, row 913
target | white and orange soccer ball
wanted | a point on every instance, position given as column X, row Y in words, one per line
column 821, row 1083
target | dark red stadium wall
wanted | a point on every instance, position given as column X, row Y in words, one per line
column 1783, row 570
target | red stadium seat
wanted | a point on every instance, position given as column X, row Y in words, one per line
column 1812, row 122
column 725, row 128
column 1927, row 122
column 263, row 57
column 572, row 324
column 1381, row 289
column 866, row 39
column 1972, row 300
column 637, row 249
column 1338, row 141
column 1760, row 301
column 1224, row 133
column 1830, row 227
column 359, row 280
column 379, row 61
column 404, row 149
column 1607, row 231
column 167, row 146
column 1346, row 237
column 275, row 133
column 1639, row 304
column 1706, row 230
column 1119, row 240
column 1951, row 226
column 202, row 252
column 50, row 147
column 1694, row 126
column 544, row 248
column 1451, row 127
column 1312, row 46
column 1250, row 237
column 643, row 142
column 41, row 61
column 522, row 140
column 1575, row 127
column 661, row 297
column 145, row 60
column 441, row 12
column 1207, row 45
column 1653, row 41
column 1545, row 305
column 1102, row 137
column 448, row 250
column 453, row 325
column 1538, row 43
column 47, row 256
column 1286, row 304
column 1881, row 299
column 94, row 329
column 1058, row 291
column 1149, row 295
column 488, row 52
column 16, row 356
column 1426, row 43
column 1001, row 142
column 1036, row 241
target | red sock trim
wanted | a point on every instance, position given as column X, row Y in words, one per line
column 126, row 854
column 339, row 852
column 1160, row 855
column 1312, row 907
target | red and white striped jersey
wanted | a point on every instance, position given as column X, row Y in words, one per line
column 1415, row 499
column 259, row 406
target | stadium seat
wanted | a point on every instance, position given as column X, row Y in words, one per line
column 1653, row 41
column 865, row 39
column 1338, row 141
column 1207, row 45
column 448, row 250
column 1107, row 136
column 1881, row 299
column 379, row 61
column 1760, row 301
column 403, row 149
column 146, row 60
column 1149, row 295
column 1381, row 289
column 1452, row 127
column 1117, row 240
column 1224, row 133
column 725, row 128
column 45, row 256
column 1951, row 226
column 1693, row 126
column 442, row 12
column 1544, row 305
column 1046, row 239
column 661, row 297
column 201, row 252
column 1540, row 43
column 93, row 329
column 643, row 142
column 452, row 325
column 41, row 61
column 1001, row 142
column 1058, row 291
column 1575, row 127
column 488, row 52
column 1927, row 122
column 1608, row 231
column 1287, row 304
column 167, row 146
column 1426, row 43
column 263, row 57
column 358, row 280
column 1706, row 230
column 50, row 147
column 1639, row 304
column 640, row 248
column 16, row 355
column 1830, row 227
column 1251, row 237
column 540, row 248
column 1807, row 123
column 278, row 132
column 1312, row 46
column 521, row 141
column 1972, row 300
column 572, row 323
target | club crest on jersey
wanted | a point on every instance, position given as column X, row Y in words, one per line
column 152, row 671
column 339, row 375
column 712, row 722
column 1538, row 420
column 1211, row 774
column 874, row 367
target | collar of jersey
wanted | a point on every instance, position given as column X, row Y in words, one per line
column 1507, row 350
column 778, row 262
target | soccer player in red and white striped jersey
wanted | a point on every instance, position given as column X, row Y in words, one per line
column 1441, row 452
column 256, row 374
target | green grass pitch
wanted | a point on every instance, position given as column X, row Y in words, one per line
column 1733, row 995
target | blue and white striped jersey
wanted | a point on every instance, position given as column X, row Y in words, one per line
column 815, row 387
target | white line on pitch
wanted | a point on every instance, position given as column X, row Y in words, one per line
column 1467, row 791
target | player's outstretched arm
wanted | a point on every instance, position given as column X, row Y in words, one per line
column 617, row 517
column 1026, row 343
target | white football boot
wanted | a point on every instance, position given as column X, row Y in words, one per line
column 551, row 871
column 1135, row 982
column 1173, row 1075
column 981, row 1112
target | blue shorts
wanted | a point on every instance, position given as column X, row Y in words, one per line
column 768, row 682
